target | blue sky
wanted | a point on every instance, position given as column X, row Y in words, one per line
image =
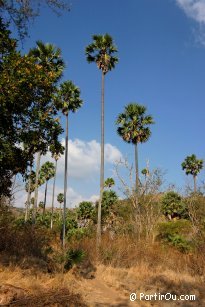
column 161, row 47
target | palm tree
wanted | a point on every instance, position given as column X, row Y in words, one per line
column 68, row 100
column 109, row 182
column 49, row 57
column 46, row 173
column 29, row 187
column 192, row 166
column 60, row 199
column 56, row 151
column 133, row 128
column 101, row 51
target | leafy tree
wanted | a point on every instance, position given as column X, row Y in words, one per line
column 46, row 173
column 21, row 12
column 102, row 52
column 109, row 182
column 173, row 206
column 68, row 100
column 25, row 103
column 192, row 166
column 134, row 128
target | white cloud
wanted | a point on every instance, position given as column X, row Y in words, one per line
column 194, row 9
column 84, row 158
column 72, row 200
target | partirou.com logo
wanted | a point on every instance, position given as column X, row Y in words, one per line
column 160, row 297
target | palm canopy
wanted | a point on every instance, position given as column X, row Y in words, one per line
column 133, row 124
column 192, row 165
column 47, row 170
column 48, row 56
column 68, row 97
column 60, row 198
column 101, row 51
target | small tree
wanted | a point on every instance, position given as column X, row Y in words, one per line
column 173, row 206
column 192, row 166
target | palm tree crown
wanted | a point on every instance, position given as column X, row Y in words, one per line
column 47, row 171
column 192, row 165
column 68, row 97
column 133, row 124
column 101, row 52
column 48, row 56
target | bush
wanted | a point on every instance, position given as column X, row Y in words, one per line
column 176, row 233
column 173, row 206
column 85, row 210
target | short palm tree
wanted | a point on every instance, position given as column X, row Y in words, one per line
column 192, row 166
column 46, row 173
column 49, row 57
column 102, row 52
column 133, row 127
column 60, row 198
column 109, row 182
column 68, row 100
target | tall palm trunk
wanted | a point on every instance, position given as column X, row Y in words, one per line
column 65, row 180
column 194, row 184
column 36, row 187
column 53, row 195
column 101, row 162
column 136, row 170
column 44, row 204
column 28, row 197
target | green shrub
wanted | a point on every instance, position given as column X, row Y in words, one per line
column 73, row 256
column 85, row 210
column 174, row 206
column 176, row 233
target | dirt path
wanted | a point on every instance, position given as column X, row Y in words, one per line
column 97, row 293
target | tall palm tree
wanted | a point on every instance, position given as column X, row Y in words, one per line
column 56, row 151
column 133, row 128
column 49, row 57
column 46, row 173
column 68, row 100
column 101, row 51
column 192, row 166
column 29, row 187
